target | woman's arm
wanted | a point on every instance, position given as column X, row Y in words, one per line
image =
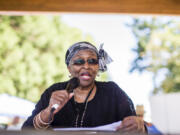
column 126, row 113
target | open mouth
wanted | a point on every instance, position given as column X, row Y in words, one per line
column 85, row 76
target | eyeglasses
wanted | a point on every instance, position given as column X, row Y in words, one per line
column 82, row 61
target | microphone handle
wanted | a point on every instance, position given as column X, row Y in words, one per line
column 68, row 88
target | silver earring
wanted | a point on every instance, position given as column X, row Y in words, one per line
column 98, row 74
column 70, row 76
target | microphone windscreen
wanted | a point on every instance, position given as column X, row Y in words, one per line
column 72, row 84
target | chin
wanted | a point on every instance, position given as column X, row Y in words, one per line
column 86, row 84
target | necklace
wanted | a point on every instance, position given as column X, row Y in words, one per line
column 83, row 114
column 82, row 97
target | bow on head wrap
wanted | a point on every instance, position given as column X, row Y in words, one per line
column 102, row 55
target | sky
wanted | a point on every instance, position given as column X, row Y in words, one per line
column 118, row 40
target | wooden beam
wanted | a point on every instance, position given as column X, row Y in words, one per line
column 162, row 7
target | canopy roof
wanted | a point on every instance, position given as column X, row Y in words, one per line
column 160, row 7
column 13, row 106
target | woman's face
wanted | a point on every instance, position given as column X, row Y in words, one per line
column 84, row 65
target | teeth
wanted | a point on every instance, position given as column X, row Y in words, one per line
column 86, row 77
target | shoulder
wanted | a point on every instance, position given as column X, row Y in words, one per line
column 110, row 85
column 111, row 88
column 58, row 86
column 105, row 83
column 54, row 87
column 44, row 99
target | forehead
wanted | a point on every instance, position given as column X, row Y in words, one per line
column 85, row 53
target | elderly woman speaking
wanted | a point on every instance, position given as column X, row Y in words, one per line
column 91, row 103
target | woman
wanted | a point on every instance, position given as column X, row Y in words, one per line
column 92, row 103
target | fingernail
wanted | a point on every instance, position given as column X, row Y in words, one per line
column 121, row 126
column 71, row 95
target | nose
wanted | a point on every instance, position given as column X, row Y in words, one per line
column 86, row 65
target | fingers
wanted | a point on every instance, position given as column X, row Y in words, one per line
column 132, row 124
column 60, row 98
column 127, row 124
column 71, row 95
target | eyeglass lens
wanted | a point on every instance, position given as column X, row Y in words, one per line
column 82, row 61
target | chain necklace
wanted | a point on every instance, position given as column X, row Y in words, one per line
column 80, row 96
column 83, row 114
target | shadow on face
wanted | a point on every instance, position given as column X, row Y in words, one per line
column 84, row 65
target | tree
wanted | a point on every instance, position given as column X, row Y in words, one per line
column 158, row 51
column 32, row 51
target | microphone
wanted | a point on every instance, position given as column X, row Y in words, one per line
column 72, row 84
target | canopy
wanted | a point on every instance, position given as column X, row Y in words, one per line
column 14, row 106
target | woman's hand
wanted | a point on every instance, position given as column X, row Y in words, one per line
column 60, row 97
column 132, row 124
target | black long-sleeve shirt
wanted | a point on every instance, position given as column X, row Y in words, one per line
column 110, row 104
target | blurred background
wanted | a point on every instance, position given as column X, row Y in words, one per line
column 145, row 50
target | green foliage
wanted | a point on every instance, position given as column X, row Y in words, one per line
column 158, row 51
column 32, row 51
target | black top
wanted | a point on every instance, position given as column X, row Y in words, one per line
column 110, row 104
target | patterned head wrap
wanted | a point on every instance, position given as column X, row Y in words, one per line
column 102, row 55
